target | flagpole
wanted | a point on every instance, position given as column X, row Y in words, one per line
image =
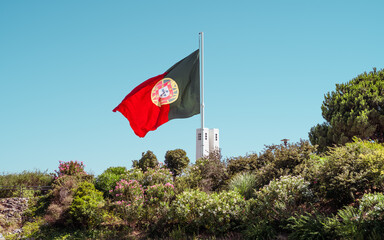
column 201, row 46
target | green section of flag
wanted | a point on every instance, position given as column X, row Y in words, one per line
column 186, row 73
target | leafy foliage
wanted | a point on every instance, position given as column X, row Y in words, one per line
column 216, row 212
column 280, row 160
column 364, row 222
column 61, row 199
column 107, row 180
column 207, row 174
column 70, row 168
column 134, row 174
column 23, row 179
column 212, row 171
column 85, row 208
column 69, row 176
column 156, row 175
column 157, row 206
column 274, row 204
column 281, row 198
column 272, row 195
column 355, row 108
column 345, row 173
column 147, row 160
column 176, row 160
column 241, row 164
column 312, row 227
column 128, row 199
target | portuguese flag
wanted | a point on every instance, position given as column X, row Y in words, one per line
column 173, row 94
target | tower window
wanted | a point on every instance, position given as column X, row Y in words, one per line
column 199, row 136
column 206, row 136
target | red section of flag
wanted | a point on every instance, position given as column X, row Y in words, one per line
column 142, row 114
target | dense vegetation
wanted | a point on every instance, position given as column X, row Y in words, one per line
column 287, row 191
column 354, row 109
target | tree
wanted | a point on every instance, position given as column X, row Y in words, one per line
column 355, row 108
column 176, row 160
column 148, row 160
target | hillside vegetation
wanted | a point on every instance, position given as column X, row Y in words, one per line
column 286, row 190
column 330, row 189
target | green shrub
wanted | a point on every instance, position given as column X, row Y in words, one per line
column 190, row 179
column 61, row 197
column 24, row 179
column 365, row 221
column 344, row 173
column 273, row 204
column 156, row 208
column 128, row 198
column 312, row 227
column 213, row 172
column 207, row 174
column 241, row 164
column 260, row 230
column 85, row 209
column 108, row 179
column 159, row 193
column 216, row 213
column 32, row 228
column 24, row 193
column 281, row 198
column 134, row 174
column 243, row 183
column 37, row 207
column 281, row 160
column 156, row 175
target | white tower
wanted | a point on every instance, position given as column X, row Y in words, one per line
column 202, row 142
column 207, row 141
column 214, row 140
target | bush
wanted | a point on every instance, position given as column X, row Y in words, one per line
column 207, row 174
column 280, row 160
column 365, row 221
column 262, row 230
column 61, row 198
column 216, row 213
column 70, row 168
column 213, row 172
column 190, row 179
column 159, row 193
column 312, row 227
column 85, row 208
column 128, row 198
column 156, row 207
column 24, row 179
column 134, row 174
column 243, row 183
column 156, row 175
column 108, row 179
column 241, row 164
column 344, row 173
column 281, row 198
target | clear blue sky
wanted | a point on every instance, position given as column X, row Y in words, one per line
column 64, row 65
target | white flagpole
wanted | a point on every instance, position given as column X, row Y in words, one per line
column 201, row 46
